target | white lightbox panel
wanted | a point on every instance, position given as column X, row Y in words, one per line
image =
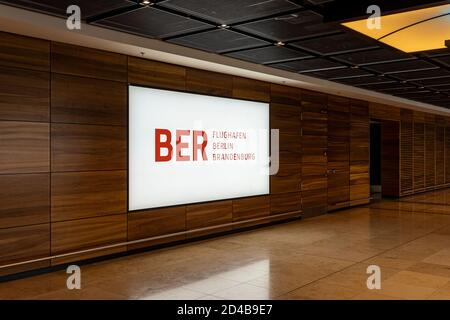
column 237, row 148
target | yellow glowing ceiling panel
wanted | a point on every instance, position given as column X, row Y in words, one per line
column 418, row 30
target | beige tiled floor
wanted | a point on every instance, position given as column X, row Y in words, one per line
column 319, row 258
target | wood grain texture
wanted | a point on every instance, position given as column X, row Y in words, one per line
column 88, row 147
column 77, row 195
column 440, row 155
column 24, row 243
column 285, row 202
column 24, row 52
column 24, row 200
column 419, row 156
column 70, row 236
column 210, row 83
column 153, row 223
column 88, row 101
column 447, row 154
column 250, row 89
column 290, row 149
column 359, row 180
column 314, row 152
column 285, row 95
column 208, row 214
column 406, row 153
column 24, row 147
column 24, row 95
column 251, row 208
column 156, row 74
column 430, row 155
column 88, row 62
column 338, row 183
column 390, row 158
column 287, row 179
column 286, row 118
column 384, row 112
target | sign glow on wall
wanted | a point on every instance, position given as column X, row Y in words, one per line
column 187, row 148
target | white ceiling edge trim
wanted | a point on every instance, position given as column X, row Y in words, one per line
column 33, row 24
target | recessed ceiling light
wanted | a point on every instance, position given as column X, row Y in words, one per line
column 146, row 2
column 354, row 67
column 410, row 31
column 280, row 44
column 224, row 26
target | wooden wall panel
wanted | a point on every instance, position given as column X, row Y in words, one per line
column 285, row 95
column 286, row 118
column 24, row 94
column 384, row 112
column 440, row 155
column 154, row 223
column 430, row 155
column 447, row 154
column 250, row 89
column 103, row 102
column 287, row 179
column 208, row 214
column 390, row 158
column 82, row 234
column 406, row 152
column 24, row 200
column 338, row 152
column 82, row 61
column 359, row 152
column 285, row 202
column 24, row 147
column 156, row 74
column 419, row 156
column 251, row 208
column 77, row 195
column 88, row 147
column 24, row 52
column 290, row 149
column 314, row 152
column 210, row 83
column 24, row 243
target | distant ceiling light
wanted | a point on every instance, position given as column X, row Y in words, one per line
column 280, row 44
column 355, row 67
column 146, row 2
column 411, row 31
column 224, row 26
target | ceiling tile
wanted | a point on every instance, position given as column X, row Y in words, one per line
column 153, row 22
column 289, row 27
column 444, row 60
column 58, row 7
column 433, row 82
column 340, row 73
column 402, row 66
column 269, row 54
column 308, row 65
column 333, row 44
column 365, row 80
column 422, row 74
column 373, row 56
column 218, row 41
column 230, row 11
column 384, row 86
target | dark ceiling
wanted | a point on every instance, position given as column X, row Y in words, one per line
column 254, row 29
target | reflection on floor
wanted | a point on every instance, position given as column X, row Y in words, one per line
column 319, row 258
